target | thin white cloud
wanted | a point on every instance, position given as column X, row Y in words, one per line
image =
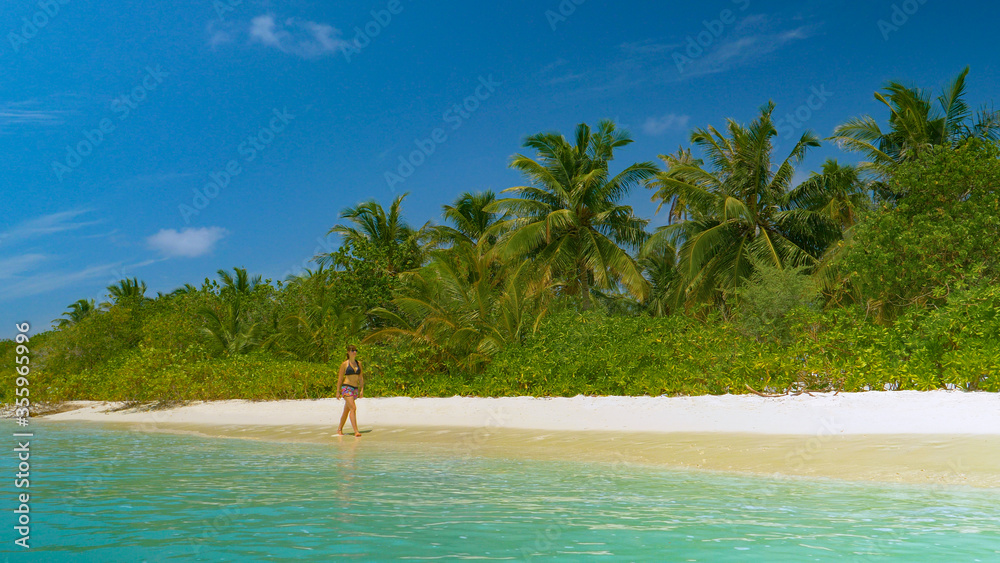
column 658, row 125
column 753, row 37
column 220, row 33
column 100, row 235
column 187, row 243
column 655, row 61
column 44, row 282
column 46, row 225
column 552, row 66
column 743, row 50
column 49, row 281
column 560, row 74
column 10, row 267
column 648, row 47
column 294, row 36
column 263, row 29
column 754, row 23
column 29, row 113
column 326, row 36
column 568, row 77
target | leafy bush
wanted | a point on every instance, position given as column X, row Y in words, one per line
column 96, row 339
column 594, row 354
column 173, row 324
column 770, row 296
column 590, row 354
column 837, row 350
column 943, row 236
column 963, row 338
column 154, row 375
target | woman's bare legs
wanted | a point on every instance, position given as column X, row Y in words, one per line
column 350, row 410
column 343, row 419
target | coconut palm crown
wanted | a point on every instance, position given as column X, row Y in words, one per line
column 569, row 220
column 388, row 231
column 470, row 218
column 736, row 212
column 78, row 311
column 915, row 124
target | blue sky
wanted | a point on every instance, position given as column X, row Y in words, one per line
column 113, row 113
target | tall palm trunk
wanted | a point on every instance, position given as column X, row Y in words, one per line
column 584, row 284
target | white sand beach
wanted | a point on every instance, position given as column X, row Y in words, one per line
column 896, row 412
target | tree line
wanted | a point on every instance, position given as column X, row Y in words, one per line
column 909, row 227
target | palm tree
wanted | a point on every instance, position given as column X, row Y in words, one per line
column 77, row 312
column 660, row 267
column 127, row 291
column 570, row 219
column 737, row 211
column 683, row 157
column 838, row 194
column 467, row 304
column 307, row 333
column 986, row 124
column 472, row 222
column 240, row 285
column 914, row 125
column 387, row 231
column 229, row 334
column 186, row 289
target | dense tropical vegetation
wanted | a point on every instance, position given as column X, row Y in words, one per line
column 877, row 275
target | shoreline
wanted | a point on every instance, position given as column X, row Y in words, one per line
column 887, row 412
column 938, row 438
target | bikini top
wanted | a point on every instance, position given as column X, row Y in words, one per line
column 352, row 375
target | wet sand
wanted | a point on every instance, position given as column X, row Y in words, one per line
column 937, row 460
column 937, row 437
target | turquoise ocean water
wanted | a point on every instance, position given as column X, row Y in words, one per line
column 102, row 493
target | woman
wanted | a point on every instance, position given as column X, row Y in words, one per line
column 350, row 385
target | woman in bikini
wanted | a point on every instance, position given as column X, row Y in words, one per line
column 350, row 385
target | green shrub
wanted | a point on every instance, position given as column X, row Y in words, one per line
column 94, row 340
column 151, row 353
column 766, row 302
column 943, row 236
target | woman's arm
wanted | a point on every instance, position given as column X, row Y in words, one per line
column 361, row 381
column 340, row 377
